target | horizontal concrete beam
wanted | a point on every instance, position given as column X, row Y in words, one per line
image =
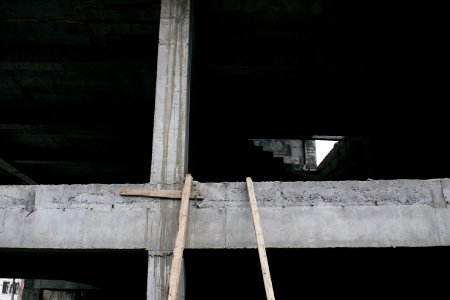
column 394, row 213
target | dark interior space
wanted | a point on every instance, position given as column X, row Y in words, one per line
column 294, row 69
column 348, row 273
column 386, row 157
column 77, row 88
column 118, row 274
column 290, row 68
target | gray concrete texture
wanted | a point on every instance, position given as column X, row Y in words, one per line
column 390, row 213
column 169, row 150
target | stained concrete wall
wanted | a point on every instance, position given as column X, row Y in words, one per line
column 293, row 214
column 170, row 129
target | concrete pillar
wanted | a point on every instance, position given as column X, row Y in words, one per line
column 158, row 277
column 30, row 292
column 161, row 244
column 170, row 129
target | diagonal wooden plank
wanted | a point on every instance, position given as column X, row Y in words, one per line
column 175, row 269
column 260, row 241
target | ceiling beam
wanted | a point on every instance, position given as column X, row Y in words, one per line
column 74, row 66
column 67, row 54
column 8, row 168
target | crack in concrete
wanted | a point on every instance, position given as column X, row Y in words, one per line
column 32, row 211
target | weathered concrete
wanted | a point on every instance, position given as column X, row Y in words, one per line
column 393, row 213
column 70, row 217
column 170, row 129
column 293, row 214
column 158, row 276
column 170, row 140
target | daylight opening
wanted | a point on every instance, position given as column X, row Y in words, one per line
column 323, row 147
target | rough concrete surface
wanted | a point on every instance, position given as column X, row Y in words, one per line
column 293, row 214
column 326, row 193
column 169, row 152
column 392, row 213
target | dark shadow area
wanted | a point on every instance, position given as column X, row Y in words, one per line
column 293, row 69
column 116, row 274
column 349, row 273
column 386, row 157
column 77, row 88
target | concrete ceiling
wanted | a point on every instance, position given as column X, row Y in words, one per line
column 77, row 84
column 77, row 81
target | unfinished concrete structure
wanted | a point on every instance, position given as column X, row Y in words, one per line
column 87, row 77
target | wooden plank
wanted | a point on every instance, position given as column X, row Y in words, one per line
column 175, row 269
column 260, row 241
column 170, row 194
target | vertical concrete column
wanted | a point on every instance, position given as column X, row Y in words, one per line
column 158, row 277
column 170, row 129
column 30, row 292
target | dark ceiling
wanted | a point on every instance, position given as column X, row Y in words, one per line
column 289, row 68
column 292, row 69
column 77, row 85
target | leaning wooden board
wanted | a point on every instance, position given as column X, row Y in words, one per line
column 260, row 241
column 175, row 268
